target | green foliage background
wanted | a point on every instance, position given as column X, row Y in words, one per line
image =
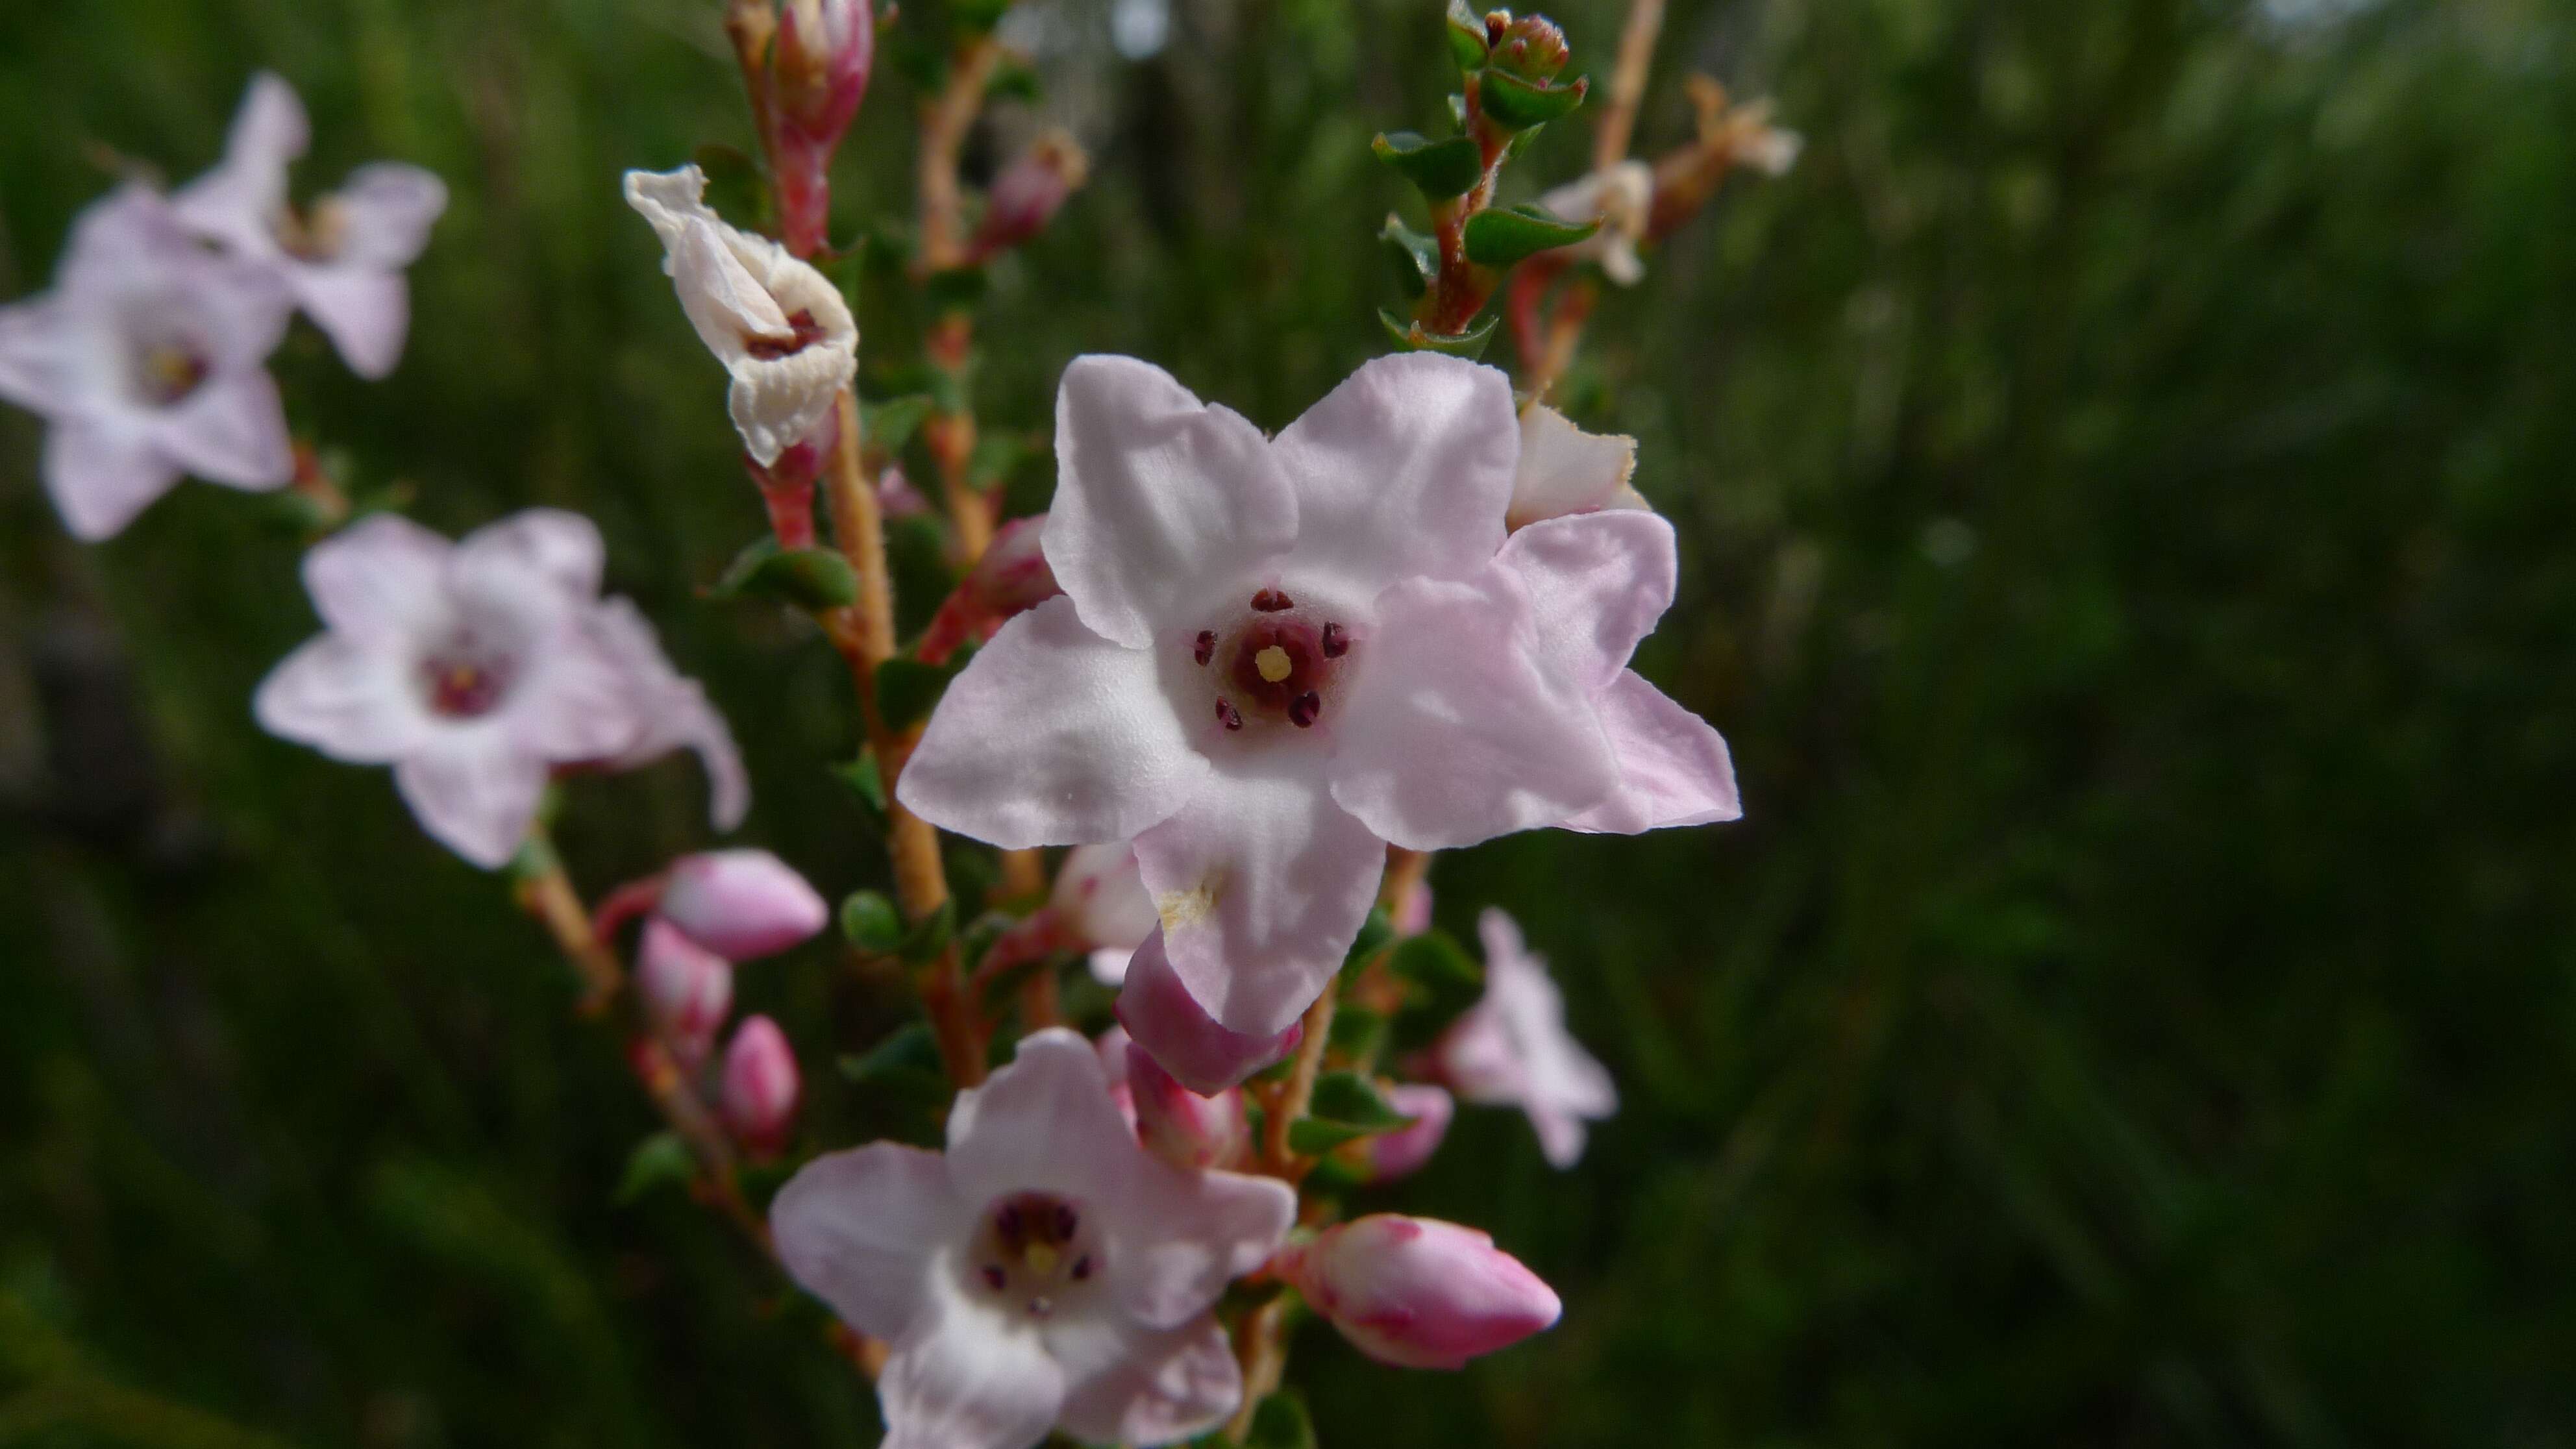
column 2124, row 476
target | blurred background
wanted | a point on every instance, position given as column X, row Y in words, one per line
column 2125, row 479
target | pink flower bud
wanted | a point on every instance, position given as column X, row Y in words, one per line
column 1026, row 196
column 1399, row 1153
column 741, row 904
column 1175, row 1030
column 1011, row 577
column 1187, row 1130
column 825, row 49
column 1418, row 1293
column 760, row 1086
column 687, row 989
column 1413, row 911
column 1112, row 1047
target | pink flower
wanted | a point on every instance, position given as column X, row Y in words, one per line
column 1162, row 1016
column 760, row 1087
column 1010, row 579
column 1045, row 1273
column 1565, row 470
column 687, row 989
column 145, row 358
column 473, row 668
column 672, row 712
column 1275, row 656
column 1180, row 1126
column 343, row 258
column 1029, row 192
column 1400, row 1153
column 825, row 49
column 779, row 326
column 1100, row 902
column 1416, row 1292
column 1512, row 1049
column 741, row 904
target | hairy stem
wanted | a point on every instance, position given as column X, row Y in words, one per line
column 1627, row 83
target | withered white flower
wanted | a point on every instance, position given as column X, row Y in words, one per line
column 1620, row 198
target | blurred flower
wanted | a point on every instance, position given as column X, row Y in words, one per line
column 824, row 51
column 1620, row 198
column 1100, row 897
column 741, row 904
column 1010, row 579
column 779, row 326
column 896, row 497
column 1045, row 1273
column 687, row 989
column 1512, row 1049
column 1417, row 1292
column 1274, row 656
column 1390, row 1155
column 672, row 711
column 1180, row 1126
column 145, row 359
column 343, row 258
column 1159, row 1012
column 760, row 1087
column 1412, row 915
column 473, row 668
column 1029, row 192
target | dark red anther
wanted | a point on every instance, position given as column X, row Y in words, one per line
column 1082, row 1268
column 1271, row 601
column 807, row 332
column 993, row 1277
column 1335, row 643
column 1303, row 709
column 1228, row 716
column 1206, row 649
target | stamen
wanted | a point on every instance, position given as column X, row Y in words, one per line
column 768, row 348
column 1206, row 649
column 1082, row 1268
column 1304, row 708
column 993, row 1276
column 1273, row 663
column 1228, row 716
column 1271, row 601
column 1335, row 643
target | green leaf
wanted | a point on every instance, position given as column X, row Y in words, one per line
column 890, row 424
column 658, row 1159
column 1516, row 104
column 865, row 780
column 1358, row 1033
column 995, row 457
column 957, row 289
column 1437, row 169
column 1440, row 982
column 812, row 579
column 1345, row 1105
column 1013, row 81
column 872, row 923
column 977, row 14
column 736, row 189
column 905, row 1065
column 1410, row 337
column 1375, row 931
column 908, row 688
column 932, row 935
column 1416, row 257
column 1498, row 238
column 1467, row 37
column 1280, row 1423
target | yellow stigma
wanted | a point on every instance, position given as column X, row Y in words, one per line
column 1041, row 1258
column 1273, row 663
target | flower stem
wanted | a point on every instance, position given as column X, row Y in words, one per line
column 1261, row 1346
column 1627, row 83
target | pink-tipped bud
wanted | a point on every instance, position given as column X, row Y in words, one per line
column 1112, row 1046
column 760, row 1087
column 1417, row 1292
column 1178, row 1125
column 1413, row 910
column 824, row 51
column 1175, row 1030
column 741, row 904
column 686, row 988
column 1401, row 1152
column 1011, row 577
column 1029, row 192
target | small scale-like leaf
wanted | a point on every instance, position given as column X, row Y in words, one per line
column 932, row 934
column 1498, row 238
column 905, row 1065
column 1410, row 337
column 1351, row 1098
column 1467, row 37
column 658, row 1159
column 1013, row 81
column 890, row 424
column 812, row 579
column 1514, row 103
column 872, row 923
column 1415, row 257
column 1441, row 981
column 864, row 780
column 1358, row 1034
column 1280, row 1423
column 1437, row 169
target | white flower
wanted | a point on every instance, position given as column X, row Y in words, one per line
column 1512, row 1049
column 343, row 258
column 1565, row 470
column 1044, row 1273
column 779, row 326
column 1621, row 198
column 671, row 710
column 476, row 668
column 146, row 360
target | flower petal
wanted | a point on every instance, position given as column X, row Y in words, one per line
column 386, row 211
column 1565, row 470
column 101, row 476
column 231, row 430
column 473, row 794
column 1262, row 882
column 1042, row 1124
column 857, row 1230
column 1597, row 583
column 379, row 577
column 236, row 199
column 1673, row 766
column 1176, row 1031
column 344, row 699
column 1403, row 470
column 534, row 545
column 723, row 300
column 1185, row 1235
column 1165, row 1387
column 577, row 704
column 1157, row 494
column 777, row 402
column 1053, row 735
column 1453, row 734
column 672, row 712
column 967, row 1380
column 364, row 313
column 37, row 370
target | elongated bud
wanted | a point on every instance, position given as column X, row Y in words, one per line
column 741, row 904
column 1011, row 577
column 1178, row 1125
column 1175, row 1030
column 686, row 988
column 1417, row 1292
column 760, row 1087
column 1401, row 1152
column 824, row 52
column 1029, row 192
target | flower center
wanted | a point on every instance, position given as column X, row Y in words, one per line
column 317, row 237
column 466, row 678
column 1033, row 1252
column 1277, row 663
column 767, row 348
column 165, row 373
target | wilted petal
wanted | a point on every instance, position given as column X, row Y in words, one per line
column 1597, row 583
column 1673, row 766
column 1052, row 735
column 855, row 1227
column 966, row 1380
column 475, row 795
column 350, row 702
column 101, row 476
column 231, row 430
column 1261, row 882
column 1453, row 734
column 1403, row 471
column 1157, row 495
column 1565, row 470
column 1042, row 1124
column 1162, row 1388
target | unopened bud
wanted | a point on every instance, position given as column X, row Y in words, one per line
column 1160, row 1014
column 1532, row 47
column 760, row 1087
column 1189, row 1131
column 741, row 904
column 1030, row 191
column 1412, row 914
column 824, row 51
column 1417, row 1292
column 1403, row 1151
column 686, row 989
column 1010, row 578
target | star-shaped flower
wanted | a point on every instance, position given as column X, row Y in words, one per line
column 1044, row 1273
column 146, row 359
column 342, row 258
column 1512, row 1049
